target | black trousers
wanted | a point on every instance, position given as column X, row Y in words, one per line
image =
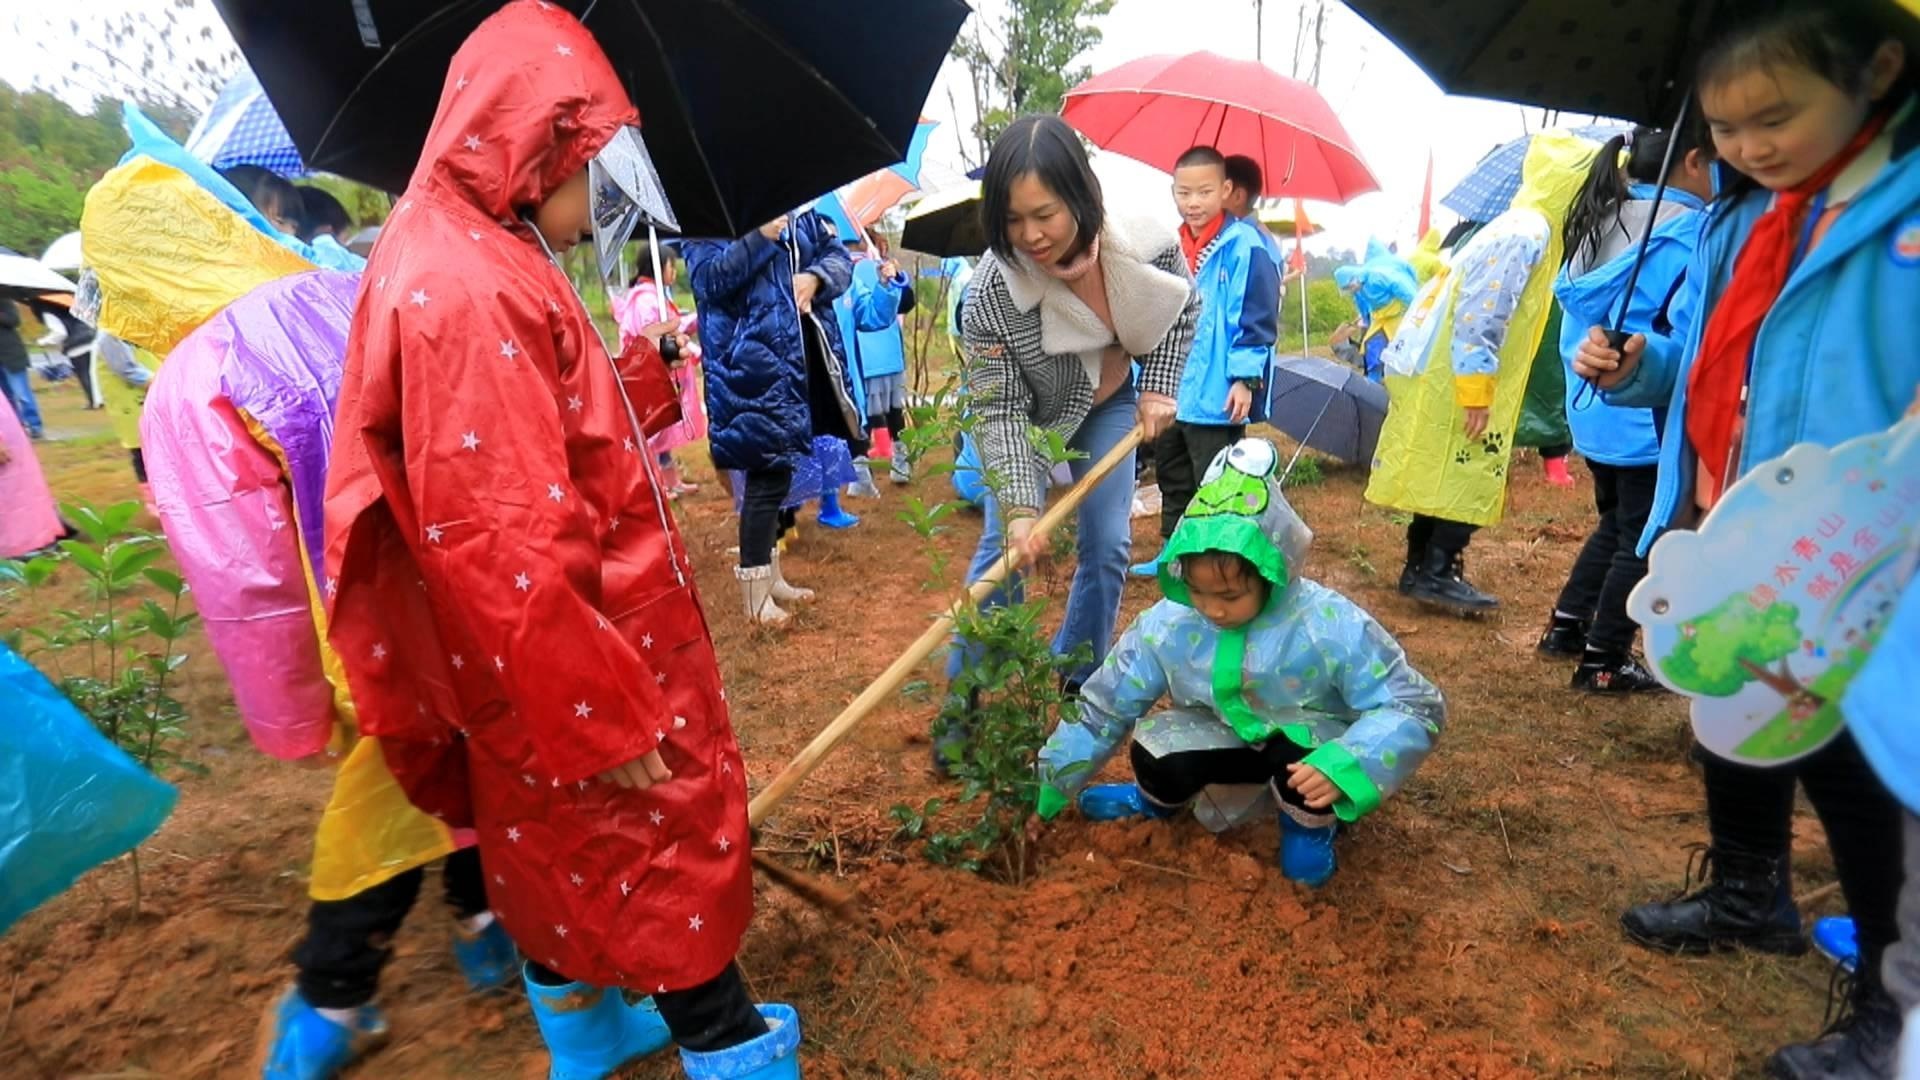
column 760, row 523
column 348, row 941
column 1426, row 532
column 1608, row 567
column 1176, row 779
column 1181, row 456
column 1750, row 810
column 712, row 1016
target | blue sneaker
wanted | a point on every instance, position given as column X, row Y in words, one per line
column 1118, row 802
column 308, row 1046
column 1306, row 846
column 773, row 1056
column 590, row 1031
column 831, row 515
column 1837, row 939
column 488, row 958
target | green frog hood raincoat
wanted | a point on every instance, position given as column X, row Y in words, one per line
column 1312, row 667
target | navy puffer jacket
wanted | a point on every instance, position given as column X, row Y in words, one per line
column 755, row 344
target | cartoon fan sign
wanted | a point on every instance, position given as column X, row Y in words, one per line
column 1764, row 615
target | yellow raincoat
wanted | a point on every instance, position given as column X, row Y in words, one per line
column 1469, row 342
column 169, row 256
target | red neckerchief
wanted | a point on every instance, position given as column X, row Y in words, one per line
column 1195, row 245
column 1719, row 378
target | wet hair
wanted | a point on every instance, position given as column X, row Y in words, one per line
column 1244, row 174
column 320, row 210
column 1835, row 39
column 1232, row 566
column 643, row 261
column 1201, row 155
column 270, row 193
column 1044, row 147
column 1597, row 208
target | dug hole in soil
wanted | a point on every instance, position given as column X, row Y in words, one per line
column 1470, row 931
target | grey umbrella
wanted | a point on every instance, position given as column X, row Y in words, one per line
column 1328, row 406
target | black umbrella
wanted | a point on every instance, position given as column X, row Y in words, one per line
column 1624, row 58
column 750, row 107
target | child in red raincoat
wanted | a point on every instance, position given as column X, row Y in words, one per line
column 509, row 594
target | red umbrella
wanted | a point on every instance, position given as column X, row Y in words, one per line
column 1157, row 107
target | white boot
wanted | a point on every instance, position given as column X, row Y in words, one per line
column 782, row 591
column 756, row 590
column 902, row 470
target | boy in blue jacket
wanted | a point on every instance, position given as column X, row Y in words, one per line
column 1224, row 385
column 1279, row 686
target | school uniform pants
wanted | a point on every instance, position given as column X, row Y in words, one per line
column 349, row 941
column 1609, row 565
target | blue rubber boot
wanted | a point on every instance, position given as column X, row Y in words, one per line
column 1839, row 941
column 831, row 515
column 591, row 1031
column 773, row 1056
column 1306, row 846
column 1119, row 802
column 488, row 958
column 308, row 1046
column 1148, row 569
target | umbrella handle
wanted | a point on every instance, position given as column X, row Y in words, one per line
column 932, row 638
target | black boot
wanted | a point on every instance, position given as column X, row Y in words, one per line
column 1614, row 673
column 1408, row 576
column 1746, row 902
column 1564, row 639
column 1860, row 1045
column 1441, row 581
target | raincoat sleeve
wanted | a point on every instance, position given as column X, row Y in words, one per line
column 1111, row 702
column 876, row 304
column 725, row 272
column 1399, row 712
column 831, row 263
column 1251, row 356
column 119, row 359
column 230, row 524
column 1490, row 288
column 506, row 540
column 1162, row 366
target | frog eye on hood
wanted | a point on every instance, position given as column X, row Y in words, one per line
column 1255, row 457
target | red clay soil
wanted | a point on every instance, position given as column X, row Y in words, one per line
column 1470, row 931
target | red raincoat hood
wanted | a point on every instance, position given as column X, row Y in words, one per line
column 529, row 100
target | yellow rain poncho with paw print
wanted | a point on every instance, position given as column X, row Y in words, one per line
column 1469, row 342
column 249, row 341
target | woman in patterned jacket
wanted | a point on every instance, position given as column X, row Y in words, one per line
column 1063, row 305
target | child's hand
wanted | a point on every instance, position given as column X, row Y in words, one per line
column 659, row 330
column 1598, row 362
column 1313, row 786
column 1476, row 423
column 804, row 286
column 1239, row 402
column 639, row 774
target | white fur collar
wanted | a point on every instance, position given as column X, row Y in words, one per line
column 1145, row 300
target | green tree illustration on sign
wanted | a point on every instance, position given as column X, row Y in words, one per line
column 1737, row 643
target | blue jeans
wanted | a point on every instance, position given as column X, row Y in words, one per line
column 1105, row 541
column 20, row 393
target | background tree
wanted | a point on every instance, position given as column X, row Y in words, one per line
column 1024, row 61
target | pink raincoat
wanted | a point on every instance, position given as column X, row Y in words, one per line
column 639, row 308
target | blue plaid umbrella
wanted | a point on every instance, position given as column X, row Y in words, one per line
column 1489, row 189
column 243, row 129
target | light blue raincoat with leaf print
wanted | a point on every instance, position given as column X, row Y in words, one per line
column 1311, row 667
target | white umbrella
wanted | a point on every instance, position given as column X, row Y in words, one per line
column 27, row 275
column 63, row 254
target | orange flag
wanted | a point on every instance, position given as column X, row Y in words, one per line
column 1426, row 200
column 1301, row 227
